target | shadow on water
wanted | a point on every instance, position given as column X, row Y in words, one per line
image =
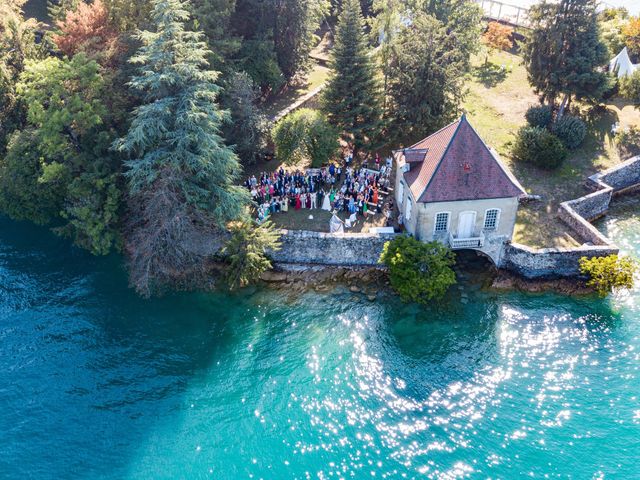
column 87, row 366
column 105, row 384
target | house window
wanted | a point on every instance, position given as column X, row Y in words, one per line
column 407, row 214
column 491, row 218
column 400, row 193
column 441, row 223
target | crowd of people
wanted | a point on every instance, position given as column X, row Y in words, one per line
column 333, row 188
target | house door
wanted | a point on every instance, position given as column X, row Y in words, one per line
column 466, row 224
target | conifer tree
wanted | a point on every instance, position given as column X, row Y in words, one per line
column 352, row 96
column 565, row 52
column 426, row 79
column 181, row 176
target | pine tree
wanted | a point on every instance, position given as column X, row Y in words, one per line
column 565, row 53
column 426, row 79
column 180, row 174
column 352, row 97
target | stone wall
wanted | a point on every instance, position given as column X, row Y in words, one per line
column 577, row 214
column 620, row 178
column 299, row 246
column 549, row 262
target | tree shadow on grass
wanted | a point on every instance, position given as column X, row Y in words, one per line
column 489, row 74
column 599, row 122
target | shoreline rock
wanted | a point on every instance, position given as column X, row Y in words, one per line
column 505, row 281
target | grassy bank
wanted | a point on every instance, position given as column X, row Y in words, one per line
column 499, row 95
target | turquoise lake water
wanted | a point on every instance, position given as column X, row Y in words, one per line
column 97, row 383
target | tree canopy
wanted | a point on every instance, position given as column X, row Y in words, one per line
column 181, row 176
column 565, row 53
column 352, row 96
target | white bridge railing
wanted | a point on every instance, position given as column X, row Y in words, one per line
column 467, row 242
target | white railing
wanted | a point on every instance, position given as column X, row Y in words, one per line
column 467, row 242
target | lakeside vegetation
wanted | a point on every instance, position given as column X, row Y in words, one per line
column 129, row 126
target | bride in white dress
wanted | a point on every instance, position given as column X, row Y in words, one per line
column 326, row 203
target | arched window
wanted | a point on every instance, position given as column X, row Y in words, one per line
column 441, row 222
column 407, row 210
column 400, row 193
column 491, row 219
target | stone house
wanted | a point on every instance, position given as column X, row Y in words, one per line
column 453, row 188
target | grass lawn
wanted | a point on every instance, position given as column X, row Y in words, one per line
column 497, row 101
column 299, row 220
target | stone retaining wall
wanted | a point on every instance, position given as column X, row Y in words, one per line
column 549, row 262
column 580, row 212
column 577, row 214
column 620, row 178
column 299, row 246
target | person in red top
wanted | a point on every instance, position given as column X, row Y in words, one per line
column 298, row 202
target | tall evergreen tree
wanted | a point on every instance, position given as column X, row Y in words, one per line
column 565, row 53
column 352, row 96
column 426, row 78
column 181, row 176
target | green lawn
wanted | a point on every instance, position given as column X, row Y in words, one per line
column 496, row 103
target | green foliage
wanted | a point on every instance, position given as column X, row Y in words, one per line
column 570, row 130
column 248, row 127
column 57, row 9
column 293, row 32
column 92, row 211
column 127, row 15
column 463, row 20
column 352, row 97
column 64, row 102
column 630, row 87
column 539, row 115
column 419, row 272
column 305, row 134
column 564, row 53
column 214, row 19
column 182, row 178
column 426, row 78
column 628, row 142
column 26, row 191
column 69, row 176
column 17, row 45
column 260, row 62
column 246, row 252
column 539, row 147
column 609, row 273
column 612, row 21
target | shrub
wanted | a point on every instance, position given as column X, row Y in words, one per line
column 418, row 272
column 630, row 87
column 608, row 273
column 539, row 147
column 539, row 115
column 246, row 252
column 628, row 142
column 570, row 130
column 305, row 134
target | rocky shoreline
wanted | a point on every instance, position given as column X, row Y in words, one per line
column 507, row 281
column 300, row 278
column 371, row 281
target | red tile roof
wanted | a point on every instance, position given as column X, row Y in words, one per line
column 458, row 165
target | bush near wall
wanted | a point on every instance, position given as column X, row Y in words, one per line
column 419, row 272
column 607, row 274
